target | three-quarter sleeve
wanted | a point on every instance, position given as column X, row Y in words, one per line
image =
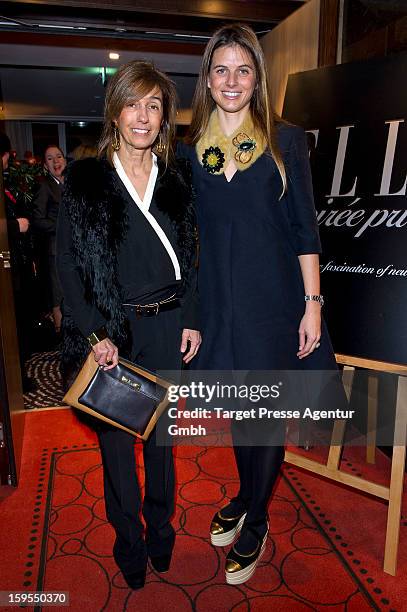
column 84, row 314
column 300, row 197
column 42, row 220
column 13, row 229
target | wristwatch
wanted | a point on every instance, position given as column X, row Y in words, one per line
column 314, row 298
column 97, row 336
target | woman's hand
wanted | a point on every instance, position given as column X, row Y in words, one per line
column 310, row 330
column 194, row 338
column 23, row 224
column 106, row 354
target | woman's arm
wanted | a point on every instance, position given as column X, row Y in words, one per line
column 305, row 237
column 13, row 229
column 310, row 326
column 190, row 317
column 85, row 315
column 189, row 301
column 40, row 219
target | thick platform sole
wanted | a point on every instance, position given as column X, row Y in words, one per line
column 224, row 539
column 245, row 574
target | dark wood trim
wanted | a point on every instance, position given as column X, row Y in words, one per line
column 227, row 9
column 123, row 19
column 328, row 32
column 99, row 42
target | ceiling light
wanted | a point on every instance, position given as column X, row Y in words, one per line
column 60, row 27
column 114, row 56
column 192, row 36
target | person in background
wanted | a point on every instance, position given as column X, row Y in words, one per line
column 258, row 262
column 44, row 218
column 83, row 151
column 126, row 260
column 18, row 230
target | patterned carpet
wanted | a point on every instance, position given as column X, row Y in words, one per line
column 317, row 556
column 44, row 369
column 289, row 577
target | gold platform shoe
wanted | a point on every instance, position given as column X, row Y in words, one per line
column 224, row 529
column 239, row 568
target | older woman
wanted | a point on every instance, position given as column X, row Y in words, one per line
column 44, row 220
column 126, row 260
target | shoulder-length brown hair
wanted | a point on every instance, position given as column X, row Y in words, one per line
column 264, row 118
column 134, row 81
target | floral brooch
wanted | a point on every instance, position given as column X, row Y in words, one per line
column 245, row 148
column 213, row 159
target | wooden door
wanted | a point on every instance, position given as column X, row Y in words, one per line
column 12, row 415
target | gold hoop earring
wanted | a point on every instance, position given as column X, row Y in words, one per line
column 116, row 139
column 160, row 146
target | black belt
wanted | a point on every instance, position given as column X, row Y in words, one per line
column 152, row 310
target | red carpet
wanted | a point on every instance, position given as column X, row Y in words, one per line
column 324, row 550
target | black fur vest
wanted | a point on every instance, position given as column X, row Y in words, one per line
column 96, row 209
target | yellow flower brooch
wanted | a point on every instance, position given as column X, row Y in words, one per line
column 213, row 159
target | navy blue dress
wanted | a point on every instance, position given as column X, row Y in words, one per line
column 249, row 278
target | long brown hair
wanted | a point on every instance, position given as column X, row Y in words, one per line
column 264, row 117
column 135, row 80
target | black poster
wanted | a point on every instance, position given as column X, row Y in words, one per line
column 355, row 115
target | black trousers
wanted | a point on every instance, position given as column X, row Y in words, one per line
column 156, row 346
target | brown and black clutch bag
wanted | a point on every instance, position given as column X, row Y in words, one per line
column 128, row 396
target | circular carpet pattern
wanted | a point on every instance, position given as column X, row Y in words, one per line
column 45, row 370
column 291, row 575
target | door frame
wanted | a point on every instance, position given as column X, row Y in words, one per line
column 12, row 412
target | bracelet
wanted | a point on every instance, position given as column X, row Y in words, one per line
column 97, row 336
column 314, row 298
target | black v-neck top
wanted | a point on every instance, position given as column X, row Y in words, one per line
column 144, row 265
column 145, row 271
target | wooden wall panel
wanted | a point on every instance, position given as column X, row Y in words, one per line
column 328, row 32
column 292, row 47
